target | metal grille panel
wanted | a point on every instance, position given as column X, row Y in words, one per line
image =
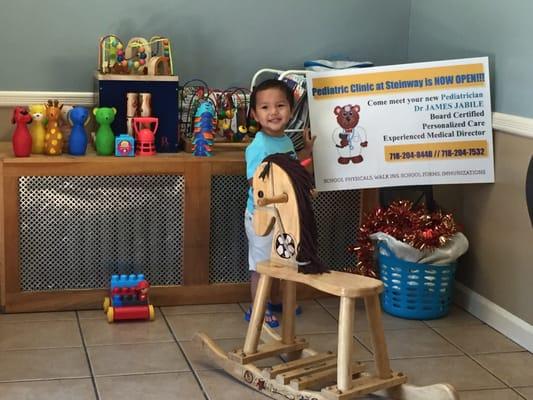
column 228, row 255
column 75, row 231
column 337, row 216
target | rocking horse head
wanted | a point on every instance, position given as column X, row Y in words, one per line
column 282, row 194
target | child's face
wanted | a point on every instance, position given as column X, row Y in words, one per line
column 272, row 111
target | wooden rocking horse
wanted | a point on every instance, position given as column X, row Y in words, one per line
column 309, row 375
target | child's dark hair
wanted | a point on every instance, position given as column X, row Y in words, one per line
column 272, row 84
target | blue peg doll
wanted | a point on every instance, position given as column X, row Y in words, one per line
column 77, row 142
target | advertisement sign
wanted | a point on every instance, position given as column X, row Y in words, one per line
column 402, row 125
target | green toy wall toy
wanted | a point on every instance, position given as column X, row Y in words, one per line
column 105, row 139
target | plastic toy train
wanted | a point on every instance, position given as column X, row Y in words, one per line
column 128, row 299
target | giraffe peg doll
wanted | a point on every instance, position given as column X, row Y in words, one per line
column 53, row 140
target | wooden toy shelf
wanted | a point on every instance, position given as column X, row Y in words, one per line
column 195, row 287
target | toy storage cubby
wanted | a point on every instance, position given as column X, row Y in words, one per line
column 113, row 88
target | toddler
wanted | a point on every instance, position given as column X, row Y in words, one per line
column 271, row 105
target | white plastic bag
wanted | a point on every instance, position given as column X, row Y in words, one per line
column 456, row 246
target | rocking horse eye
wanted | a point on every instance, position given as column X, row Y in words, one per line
column 260, row 194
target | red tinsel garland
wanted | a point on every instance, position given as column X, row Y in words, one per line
column 409, row 224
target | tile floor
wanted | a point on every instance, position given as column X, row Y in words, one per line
column 78, row 355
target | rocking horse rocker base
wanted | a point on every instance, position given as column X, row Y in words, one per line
column 307, row 374
column 310, row 375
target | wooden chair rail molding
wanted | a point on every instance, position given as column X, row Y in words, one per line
column 197, row 172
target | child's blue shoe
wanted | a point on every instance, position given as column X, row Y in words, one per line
column 270, row 319
column 279, row 308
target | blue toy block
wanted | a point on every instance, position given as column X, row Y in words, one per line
column 121, row 281
column 124, row 145
column 117, row 300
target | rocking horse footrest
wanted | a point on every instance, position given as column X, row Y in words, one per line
column 321, row 375
column 268, row 350
column 364, row 385
column 304, row 362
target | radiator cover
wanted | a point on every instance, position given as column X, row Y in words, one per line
column 75, row 231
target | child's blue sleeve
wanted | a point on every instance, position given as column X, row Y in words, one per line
column 254, row 155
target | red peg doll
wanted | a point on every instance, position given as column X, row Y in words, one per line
column 21, row 135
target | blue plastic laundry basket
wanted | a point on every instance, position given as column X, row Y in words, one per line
column 413, row 290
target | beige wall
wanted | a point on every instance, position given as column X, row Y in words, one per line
column 499, row 263
column 5, row 123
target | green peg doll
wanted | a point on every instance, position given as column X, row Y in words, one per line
column 105, row 139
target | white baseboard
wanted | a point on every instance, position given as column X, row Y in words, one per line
column 506, row 123
column 512, row 124
column 17, row 98
column 492, row 314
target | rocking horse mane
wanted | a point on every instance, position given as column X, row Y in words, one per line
column 307, row 259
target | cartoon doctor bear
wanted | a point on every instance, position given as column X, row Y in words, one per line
column 349, row 138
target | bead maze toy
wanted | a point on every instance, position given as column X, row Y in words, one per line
column 307, row 374
column 138, row 57
column 128, row 299
column 233, row 120
column 191, row 94
column 204, row 126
